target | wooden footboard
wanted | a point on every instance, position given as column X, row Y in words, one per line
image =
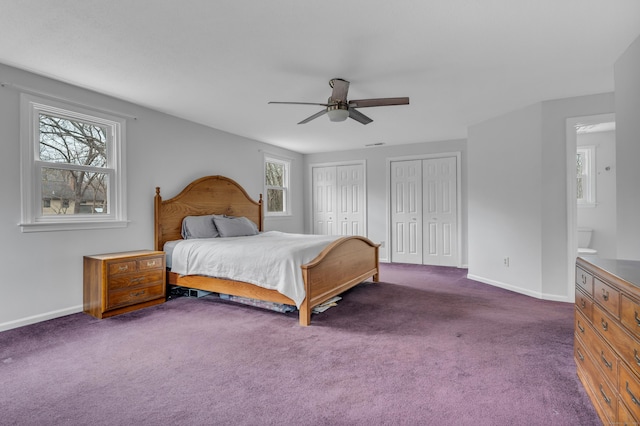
column 342, row 265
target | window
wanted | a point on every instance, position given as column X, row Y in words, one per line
column 276, row 172
column 586, row 177
column 72, row 167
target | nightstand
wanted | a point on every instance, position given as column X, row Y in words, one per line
column 115, row 283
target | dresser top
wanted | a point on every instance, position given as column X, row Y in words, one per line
column 627, row 270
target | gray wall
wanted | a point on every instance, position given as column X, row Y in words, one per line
column 627, row 70
column 42, row 277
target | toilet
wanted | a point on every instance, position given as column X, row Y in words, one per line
column 584, row 239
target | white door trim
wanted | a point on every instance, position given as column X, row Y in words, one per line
column 389, row 160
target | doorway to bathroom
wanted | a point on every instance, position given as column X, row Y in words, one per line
column 591, row 183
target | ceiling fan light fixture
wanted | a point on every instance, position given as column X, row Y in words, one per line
column 338, row 112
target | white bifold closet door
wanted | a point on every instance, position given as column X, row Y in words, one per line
column 424, row 211
column 338, row 200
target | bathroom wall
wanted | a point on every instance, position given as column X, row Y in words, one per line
column 602, row 217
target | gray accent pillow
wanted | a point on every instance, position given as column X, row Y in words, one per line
column 199, row 227
column 234, row 226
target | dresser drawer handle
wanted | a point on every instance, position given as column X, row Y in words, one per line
column 136, row 280
column 605, row 295
column 580, row 355
column 151, row 263
column 581, row 328
column 605, row 325
column 608, row 364
column 633, row 397
column 584, row 280
column 606, row 398
column 123, row 268
column 138, row 293
column 635, row 355
column 583, row 304
column 635, row 314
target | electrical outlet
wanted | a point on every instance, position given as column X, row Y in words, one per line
column 506, row 262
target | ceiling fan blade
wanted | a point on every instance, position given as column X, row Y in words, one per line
column 314, row 116
column 340, row 89
column 358, row 116
column 300, row 103
column 364, row 103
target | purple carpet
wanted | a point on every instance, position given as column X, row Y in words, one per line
column 425, row 347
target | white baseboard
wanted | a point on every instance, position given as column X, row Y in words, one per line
column 536, row 294
column 39, row 318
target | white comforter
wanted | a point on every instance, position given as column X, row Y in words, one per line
column 270, row 259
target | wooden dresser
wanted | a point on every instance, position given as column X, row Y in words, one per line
column 115, row 283
column 607, row 336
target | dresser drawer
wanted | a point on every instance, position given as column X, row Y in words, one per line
column 629, row 388
column 132, row 280
column 584, row 280
column 124, row 267
column 584, row 304
column 607, row 296
column 625, row 418
column 601, row 392
column 151, row 263
column 630, row 315
column 126, row 297
column 601, row 353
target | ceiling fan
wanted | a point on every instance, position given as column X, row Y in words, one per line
column 338, row 108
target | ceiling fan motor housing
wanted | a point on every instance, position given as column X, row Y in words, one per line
column 338, row 111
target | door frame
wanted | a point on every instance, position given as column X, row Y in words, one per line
column 458, row 156
column 572, row 205
column 363, row 163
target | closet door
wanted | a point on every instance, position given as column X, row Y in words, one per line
column 406, row 211
column 440, row 211
column 324, row 200
column 350, row 199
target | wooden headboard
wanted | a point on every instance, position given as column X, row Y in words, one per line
column 207, row 195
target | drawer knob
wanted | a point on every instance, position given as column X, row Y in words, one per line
column 606, row 398
column 580, row 355
column 635, row 313
column 583, row 304
column 633, row 397
column 605, row 325
column 635, row 355
column 607, row 364
column 581, row 328
column 605, row 295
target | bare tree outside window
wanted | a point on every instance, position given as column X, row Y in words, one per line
column 274, row 175
column 74, row 151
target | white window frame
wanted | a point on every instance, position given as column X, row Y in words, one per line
column 32, row 219
column 588, row 177
column 269, row 158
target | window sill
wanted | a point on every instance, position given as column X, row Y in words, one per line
column 71, row 226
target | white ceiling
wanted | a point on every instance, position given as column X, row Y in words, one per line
column 219, row 62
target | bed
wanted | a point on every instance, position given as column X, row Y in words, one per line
column 341, row 265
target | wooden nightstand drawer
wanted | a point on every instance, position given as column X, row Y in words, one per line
column 116, row 283
column 151, row 263
column 132, row 280
column 126, row 297
column 127, row 267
